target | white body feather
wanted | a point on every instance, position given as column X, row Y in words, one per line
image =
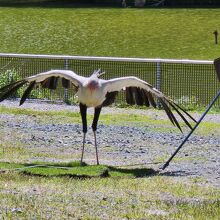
column 92, row 98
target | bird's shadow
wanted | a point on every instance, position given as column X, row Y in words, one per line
column 145, row 172
column 135, row 172
column 176, row 173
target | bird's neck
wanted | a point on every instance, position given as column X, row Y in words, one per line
column 93, row 84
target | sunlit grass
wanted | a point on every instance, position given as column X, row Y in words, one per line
column 150, row 33
column 155, row 197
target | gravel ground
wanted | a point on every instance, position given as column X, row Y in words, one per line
column 118, row 145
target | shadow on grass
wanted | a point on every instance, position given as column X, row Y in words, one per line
column 133, row 172
column 177, row 173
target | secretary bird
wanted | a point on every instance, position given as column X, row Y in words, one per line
column 95, row 92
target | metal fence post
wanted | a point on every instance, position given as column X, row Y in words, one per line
column 158, row 79
column 66, row 67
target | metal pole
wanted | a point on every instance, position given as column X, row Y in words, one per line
column 158, row 80
column 158, row 76
column 66, row 66
column 194, row 128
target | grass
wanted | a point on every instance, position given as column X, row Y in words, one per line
column 150, row 33
column 155, row 197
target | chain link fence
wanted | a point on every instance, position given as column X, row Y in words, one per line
column 191, row 83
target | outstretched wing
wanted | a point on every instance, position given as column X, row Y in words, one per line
column 47, row 79
column 142, row 93
column 217, row 67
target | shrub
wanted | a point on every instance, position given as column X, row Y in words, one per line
column 8, row 77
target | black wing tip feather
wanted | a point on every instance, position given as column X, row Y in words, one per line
column 110, row 98
column 27, row 92
column 138, row 96
column 50, row 82
column 170, row 114
column 8, row 90
column 178, row 110
column 8, row 86
column 183, row 118
column 183, row 110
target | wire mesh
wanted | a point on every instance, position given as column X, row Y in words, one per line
column 189, row 83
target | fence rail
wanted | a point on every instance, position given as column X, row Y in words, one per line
column 188, row 82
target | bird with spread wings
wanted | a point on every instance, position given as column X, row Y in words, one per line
column 95, row 92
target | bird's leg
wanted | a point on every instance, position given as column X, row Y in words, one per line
column 94, row 128
column 83, row 110
column 84, row 140
column 96, row 149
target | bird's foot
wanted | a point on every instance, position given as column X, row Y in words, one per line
column 82, row 163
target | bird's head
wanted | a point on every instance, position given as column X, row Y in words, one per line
column 98, row 73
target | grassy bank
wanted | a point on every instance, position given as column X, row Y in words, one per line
column 151, row 33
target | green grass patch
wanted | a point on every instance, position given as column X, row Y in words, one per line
column 152, row 33
column 74, row 170
column 7, row 166
column 15, row 148
column 204, row 210
column 22, row 111
column 209, row 127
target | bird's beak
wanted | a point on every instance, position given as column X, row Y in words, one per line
column 102, row 73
